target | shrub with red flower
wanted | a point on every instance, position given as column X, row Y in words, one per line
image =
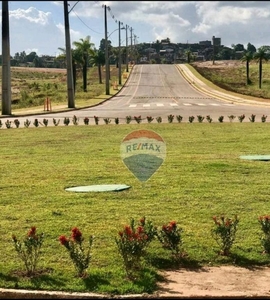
column 170, row 236
column 138, row 119
column 224, row 232
column 29, row 249
column 96, row 120
column 149, row 119
column 132, row 242
column 79, row 255
column 265, row 227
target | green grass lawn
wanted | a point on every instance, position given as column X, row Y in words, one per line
column 201, row 176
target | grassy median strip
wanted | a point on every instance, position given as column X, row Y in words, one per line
column 202, row 176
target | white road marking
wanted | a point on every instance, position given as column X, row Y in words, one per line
column 176, row 104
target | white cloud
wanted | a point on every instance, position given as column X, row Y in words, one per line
column 40, row 24
column 31, row 14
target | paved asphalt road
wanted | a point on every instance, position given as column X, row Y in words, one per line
column 160, row 90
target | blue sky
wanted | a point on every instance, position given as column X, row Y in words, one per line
column 39, row 25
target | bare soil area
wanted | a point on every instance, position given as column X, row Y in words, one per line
column 217, row 282
column 40, row 70
column 218, row 63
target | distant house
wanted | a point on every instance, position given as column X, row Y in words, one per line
column 239, row 54
column 205, row 43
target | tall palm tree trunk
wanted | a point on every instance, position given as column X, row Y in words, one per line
column 85, row 77
column 247, row 67
column 99, row 73
column 74, row 69
column 260, row 73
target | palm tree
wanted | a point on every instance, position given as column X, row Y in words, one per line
column 98, row 60
column 188, row 53
column 85, row 49
column 75, row 59
column 260, row 56
column 247, row 57
column 114, row 55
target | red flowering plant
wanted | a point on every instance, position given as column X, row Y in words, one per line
column 96, row 120
column 149, row 119
column 138, row 119
column 30, row 249
column 265, row 227
column 170, row 236
column 170, row 118
column 224, row 233
column 132, row 242
column 79, row 255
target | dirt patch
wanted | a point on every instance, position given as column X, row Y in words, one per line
column 224, row 281
column 39, row 70
column 218, row 64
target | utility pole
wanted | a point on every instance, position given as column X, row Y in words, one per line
column 70, row 86
column 213, row 38
column 6, row 75
column 107, row 67
column 127, row 48
column 119, row 55
column 131, row 53
column 135, row 50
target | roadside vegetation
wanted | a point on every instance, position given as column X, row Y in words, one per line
column 231, row 76
column 32, row 86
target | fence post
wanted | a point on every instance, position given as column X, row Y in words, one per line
column 47, row 104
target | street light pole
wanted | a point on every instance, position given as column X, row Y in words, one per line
column 6, row 75
column 135, row 50
column 127, row 48
column 131, row 50
column 107, row 67
column 119, row 55
column 70, row 86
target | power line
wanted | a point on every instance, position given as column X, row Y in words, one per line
column 85, row 23
column 97, row 2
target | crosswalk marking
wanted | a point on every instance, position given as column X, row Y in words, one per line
column 176, row 104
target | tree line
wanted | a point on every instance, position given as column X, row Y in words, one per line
column 85, row 55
